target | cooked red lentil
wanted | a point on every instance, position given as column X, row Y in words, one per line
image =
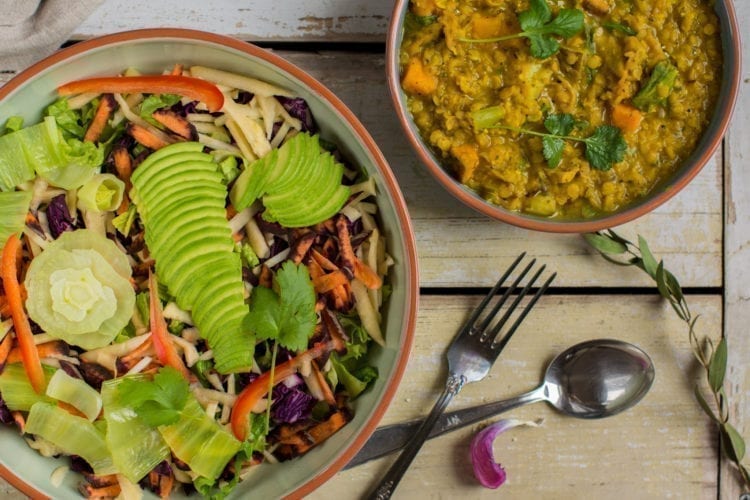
column 595, row 77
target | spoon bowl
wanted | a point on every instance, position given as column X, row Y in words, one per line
column 593, row 379
column 598, row 378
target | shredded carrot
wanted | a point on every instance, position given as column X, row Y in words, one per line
column 165, row 349
column 46, row 350
column 25, row 337
column 124, row 168
column 5, row 347
column 345, row 242
column 176, row 124
column 323, row 261
column 103, row 112
column 70, row 409
column 366, row 275
column 176, row 69
column 342, row 297
column 328, row 282
column 327, row 392
column 266, row 276
column 145, row 137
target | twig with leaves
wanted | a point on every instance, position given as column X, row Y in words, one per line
column 711, row 357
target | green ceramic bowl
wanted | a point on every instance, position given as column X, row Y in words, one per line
column 154, row 51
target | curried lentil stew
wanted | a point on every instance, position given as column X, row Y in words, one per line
column 570, row 109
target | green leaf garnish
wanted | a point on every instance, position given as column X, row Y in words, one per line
column 621, row 27
column 541, row 28
column 605, row 147
column 157, row 402
column 660, row 84
column 289, row 316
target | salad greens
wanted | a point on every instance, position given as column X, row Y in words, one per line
column 196, row 279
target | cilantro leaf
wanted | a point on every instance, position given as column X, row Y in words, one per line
column 158, row 401
column 289, row 316
column 605, row 147
column 560, row 124
column 537, row 16
column 552, row 149
column 542, row 46
column 538, row 25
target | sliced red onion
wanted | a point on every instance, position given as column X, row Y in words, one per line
column 488, row 472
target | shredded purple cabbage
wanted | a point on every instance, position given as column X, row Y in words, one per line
column 59, row 217
column 5, row 416
column 298, row 108
column 244, row 97
column 291, row 404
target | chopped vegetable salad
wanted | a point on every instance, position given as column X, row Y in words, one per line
column 191, row 280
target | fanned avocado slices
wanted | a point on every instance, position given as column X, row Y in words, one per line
column 181, row 199
column 300, row 184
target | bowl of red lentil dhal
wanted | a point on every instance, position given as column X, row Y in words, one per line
column 565, row 116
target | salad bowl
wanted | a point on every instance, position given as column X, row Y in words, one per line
column 153, row 51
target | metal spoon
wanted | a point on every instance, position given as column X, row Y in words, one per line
column 593, row 379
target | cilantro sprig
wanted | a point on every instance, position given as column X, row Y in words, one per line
column 158, row 401
column 541, row 28
column 605, row 147
column 288, row 317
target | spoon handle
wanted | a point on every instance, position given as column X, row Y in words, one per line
column 393, row 437
column 393, row 476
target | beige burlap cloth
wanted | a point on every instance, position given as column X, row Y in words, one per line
column 33, row 29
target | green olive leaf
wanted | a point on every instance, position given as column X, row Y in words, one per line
column 704, row 404
column 604, row 243
column 718, row 366
column 649, row 262
column 733, row 442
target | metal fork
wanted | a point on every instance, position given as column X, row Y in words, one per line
column 470, row 357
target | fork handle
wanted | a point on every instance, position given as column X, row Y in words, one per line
column 391, row 479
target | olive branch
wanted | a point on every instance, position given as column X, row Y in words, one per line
column 711, row 357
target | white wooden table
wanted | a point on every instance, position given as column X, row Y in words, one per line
column 663, row 448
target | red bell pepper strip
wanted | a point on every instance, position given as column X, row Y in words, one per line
column 165, row 349
column 194, row 88
column 24, row 335
column 259, row 387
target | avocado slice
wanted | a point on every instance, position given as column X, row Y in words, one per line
column 191, row 176
column 249, row 185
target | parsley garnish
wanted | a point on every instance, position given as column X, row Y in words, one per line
column 541, row 28
column 605, row 147
column 159, row 401
column 289, row 316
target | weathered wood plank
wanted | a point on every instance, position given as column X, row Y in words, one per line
column 662, row 448
column 737, row 262
column 350, row 21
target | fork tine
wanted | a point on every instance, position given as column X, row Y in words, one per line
column 500, row 345
column 482, row 305
column 496, row 309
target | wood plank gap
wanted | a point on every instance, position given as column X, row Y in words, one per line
column 578, row 291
